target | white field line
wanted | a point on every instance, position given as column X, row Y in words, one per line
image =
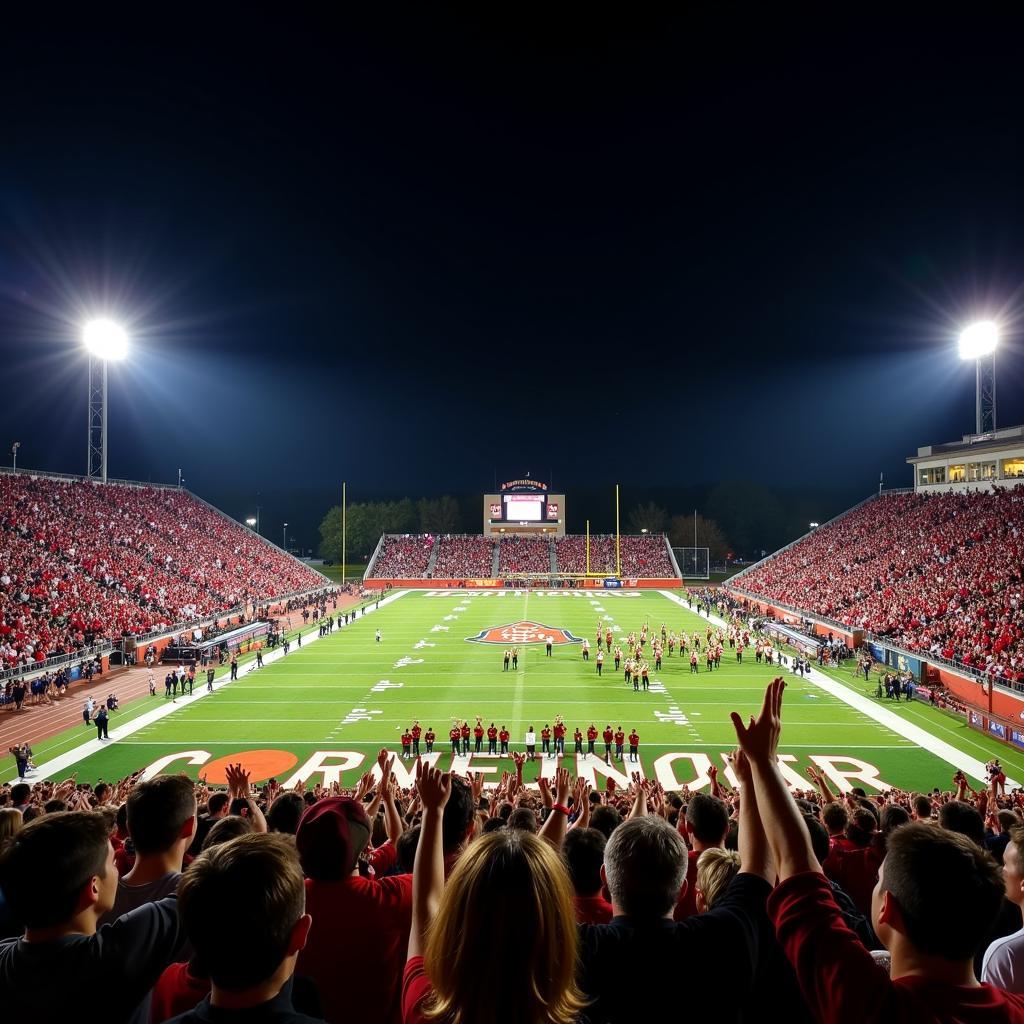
column 940, row 748
column 90, row 747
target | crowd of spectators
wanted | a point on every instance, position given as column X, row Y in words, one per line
column 82, row 562
column 938, row 573
column 447, row 901
column 464, row 557
column 403, row 556
column 641, row 555
column 524, row 554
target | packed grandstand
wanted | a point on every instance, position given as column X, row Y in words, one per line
column 472, row 557
column 942, row 574
column 84, row 562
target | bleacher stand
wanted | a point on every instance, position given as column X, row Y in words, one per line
column 80, row 562
column 937, row 573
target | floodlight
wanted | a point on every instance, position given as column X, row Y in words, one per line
column 979, row 340
column 814, row 526
column 105, row 340
column 251, row 521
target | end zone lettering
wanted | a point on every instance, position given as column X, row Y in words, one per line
column 673, row 770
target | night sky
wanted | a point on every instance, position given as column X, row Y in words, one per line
column 420, row 252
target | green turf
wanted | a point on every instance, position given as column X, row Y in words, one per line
column 305, row 704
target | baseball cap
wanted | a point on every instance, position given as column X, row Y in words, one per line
column 332, row 833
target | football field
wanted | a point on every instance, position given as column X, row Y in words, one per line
column 322, row 712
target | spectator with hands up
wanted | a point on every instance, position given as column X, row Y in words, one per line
column 937, row 895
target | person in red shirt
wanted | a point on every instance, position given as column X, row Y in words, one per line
column 705, row 826
column 608, row 736
column 591, row 738
column 465, row 737
column 429, row 736
column 406, row 745
column 936, row 898
column 578, row 740
column 583, row 851
column 620, row 739
column 503, row 738
column 492, row 739
column 559, row 739
column 359, row 922
column 478, row 737
column 454, row 734
column 545, row 741
column 416, row 733
column 634, row 746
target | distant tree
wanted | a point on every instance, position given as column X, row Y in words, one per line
column 709, row 535
column 439, row 515
column 649, row 516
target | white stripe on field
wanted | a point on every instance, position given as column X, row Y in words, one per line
column 90, row 747
column 940, row 748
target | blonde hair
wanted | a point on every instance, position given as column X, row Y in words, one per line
column 503, row 944
column 715, row 870
column 10, row 822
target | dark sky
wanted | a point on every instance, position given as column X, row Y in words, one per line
column 420, row 251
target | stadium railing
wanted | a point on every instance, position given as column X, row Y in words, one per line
column 925, row 657
column 55, row 662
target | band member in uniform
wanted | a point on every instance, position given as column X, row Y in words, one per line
column 454, row 734
column 618, row 657
column 600, row 661
column 416, row 733
column 591, row 737
column 465, row 737
column 478, row 737
column 608, row 736
column 620, row 739
column 492, row 739
column 503, row 738
column 694, row 667
column 634, row 745
column 559, row 736
column 545, row 740
column 515, row 658
column 508, row 657
column 578, row 740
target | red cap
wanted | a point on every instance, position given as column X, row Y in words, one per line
column 330, row 837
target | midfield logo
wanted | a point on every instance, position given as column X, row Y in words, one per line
column 524, row 633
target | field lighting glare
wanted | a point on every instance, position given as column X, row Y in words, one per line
column 251, row 521
column 979, row 340
column 105, row 340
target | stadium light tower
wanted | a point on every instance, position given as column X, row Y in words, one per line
column 978, row 342
column 284, row 536
column 251, row 521
column 106, row 342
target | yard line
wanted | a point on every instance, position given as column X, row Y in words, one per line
column 940, row 748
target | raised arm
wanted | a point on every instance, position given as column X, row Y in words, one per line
column 239, row 788
column 434, row 787
column 755, row 857
column 553, row 829
column 788, row 839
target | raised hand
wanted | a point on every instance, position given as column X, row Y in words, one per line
column 435, row 787
column 759, row 739
column 563, row 784
column 544, row 786
column 366, row 785
column 238, row 781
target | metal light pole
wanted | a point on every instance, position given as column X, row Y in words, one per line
column 978, row 342
column 284, row 537
column 14, row 456
column 106, row 342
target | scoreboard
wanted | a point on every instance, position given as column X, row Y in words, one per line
column 524, row 506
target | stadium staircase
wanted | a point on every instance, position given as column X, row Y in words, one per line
column 373, row 558
column 495, row 560
column 552, row 548
column 672, row 558
column 432, row 561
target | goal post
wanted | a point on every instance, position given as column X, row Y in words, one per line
column 693, row 563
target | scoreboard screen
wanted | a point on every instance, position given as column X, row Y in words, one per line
column 524, row 508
